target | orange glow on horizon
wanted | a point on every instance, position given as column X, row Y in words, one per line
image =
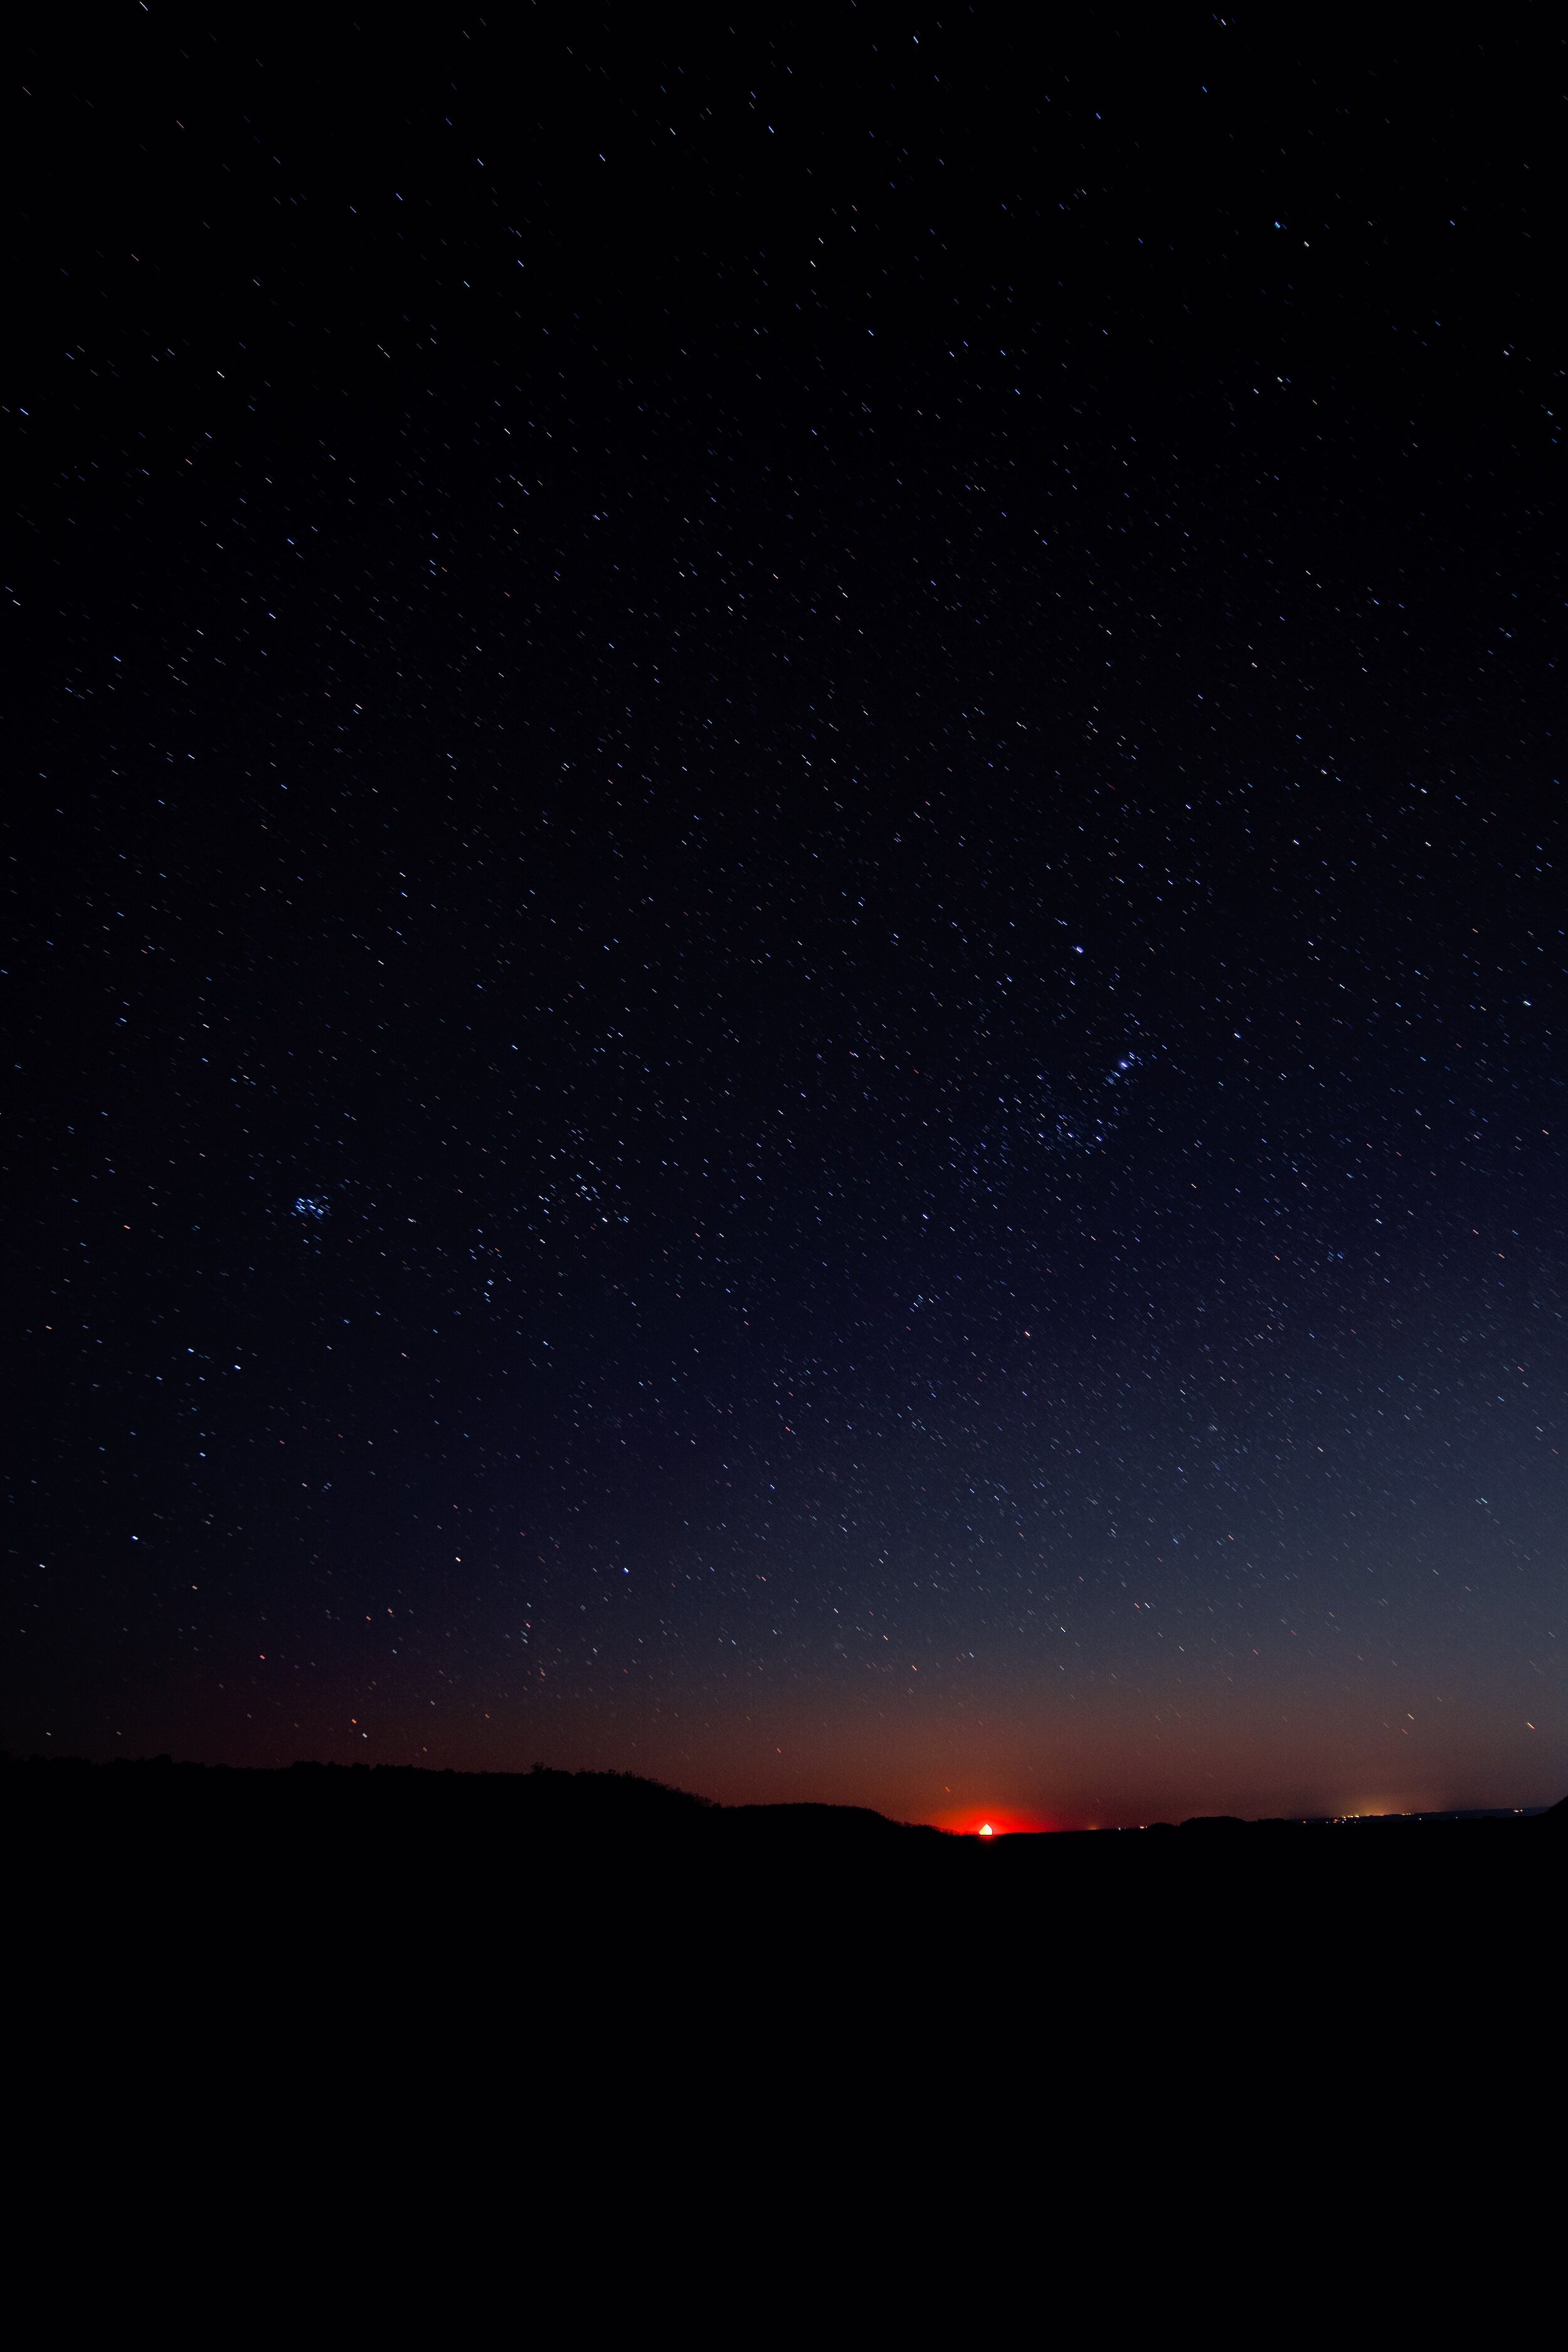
column 991, row 1823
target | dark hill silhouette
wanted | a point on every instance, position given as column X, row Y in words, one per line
column 567, row 1912
column 322, row 1812
column 828, row 1825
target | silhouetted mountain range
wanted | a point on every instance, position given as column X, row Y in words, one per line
column 545, row 1806
column 564, row 1919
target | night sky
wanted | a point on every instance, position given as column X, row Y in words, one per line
column 786, row 978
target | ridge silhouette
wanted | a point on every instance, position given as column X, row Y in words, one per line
column 310, row 1897
column 546, row 1806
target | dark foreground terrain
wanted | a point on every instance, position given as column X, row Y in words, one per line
column 452, row 1860
column 544, row 1804
column 510, row 1982
column 335, row 1818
